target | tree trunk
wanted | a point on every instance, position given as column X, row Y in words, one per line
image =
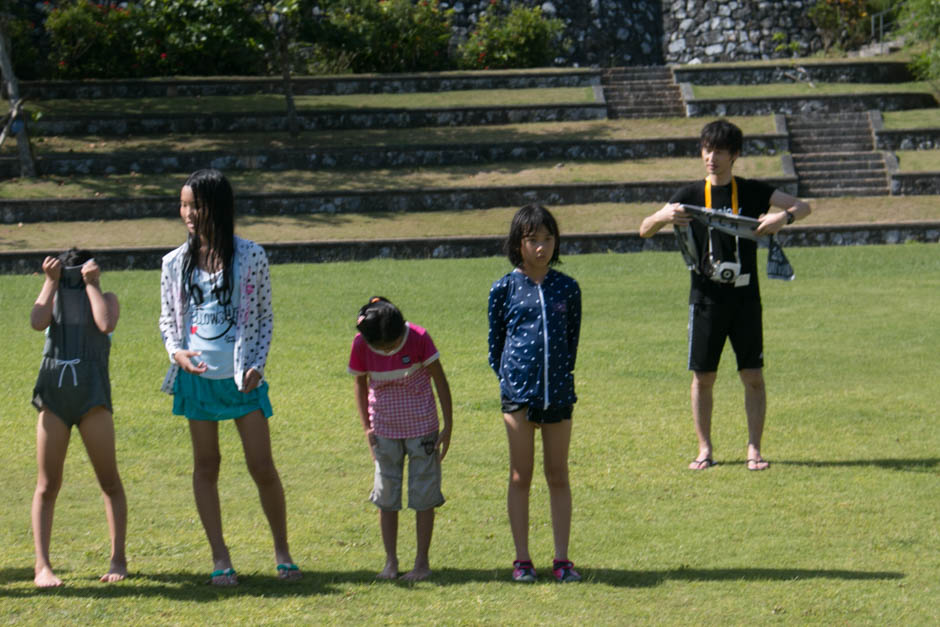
column 288, row 83
column 18, row 121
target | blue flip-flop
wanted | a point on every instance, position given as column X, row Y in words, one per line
column 288, row 571
column 231, row 577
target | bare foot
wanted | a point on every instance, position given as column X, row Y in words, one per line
column 390, row 571
column 757, row 463
column 418, row 573
column 45, row 578
column 117, row 572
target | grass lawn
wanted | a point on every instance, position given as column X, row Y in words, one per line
column 589, row 130
column 259, row 103
column 918, row 160
column 775, row 90
column 488, row 175
column 599, row 218
column 840, row 530
column 915, row 118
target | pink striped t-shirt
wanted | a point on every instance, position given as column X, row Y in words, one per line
column 401, row 401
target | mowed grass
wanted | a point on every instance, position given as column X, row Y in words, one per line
column 506, row 173
column 802, row 89
column 581, row 131
column 597, row 218
column 841, row 530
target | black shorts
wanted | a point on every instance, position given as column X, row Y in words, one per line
column 539, row 415
column 710, row 325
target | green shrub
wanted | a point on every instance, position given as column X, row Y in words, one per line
column 842, row 24
column 201, row 38
column 90, row 40
column 384, row 36
column 920, row 20
column 522, row 38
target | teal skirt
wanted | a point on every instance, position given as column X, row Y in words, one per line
column 199, row 398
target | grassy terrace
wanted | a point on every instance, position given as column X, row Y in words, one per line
column 600, row 218
column 497, row 174
column 275, row 103
column 591, row 130
column 778, row 90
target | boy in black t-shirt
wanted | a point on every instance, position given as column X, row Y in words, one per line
column 724, row 299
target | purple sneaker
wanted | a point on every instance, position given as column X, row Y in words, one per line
column 564, row 572
column 523, row 571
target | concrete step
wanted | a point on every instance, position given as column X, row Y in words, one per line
column 798, row 147
column 643, row 112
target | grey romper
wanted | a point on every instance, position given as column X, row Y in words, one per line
column 73, row 376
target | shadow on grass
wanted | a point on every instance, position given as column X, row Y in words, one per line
column 194, row 588
column 909, row 465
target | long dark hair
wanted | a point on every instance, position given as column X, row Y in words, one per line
column 215, row 222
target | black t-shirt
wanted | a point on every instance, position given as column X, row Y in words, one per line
column 753, row 201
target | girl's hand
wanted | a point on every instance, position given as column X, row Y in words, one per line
column 443, row 442
column 91, row 272
column 52, row 267
column 371, row 440
column 251, row 381
column 184, row 359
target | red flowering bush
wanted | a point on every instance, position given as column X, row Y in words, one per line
column 90, row 40
column 386, row 35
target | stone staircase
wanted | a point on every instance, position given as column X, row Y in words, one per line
column 642, row 92
column 834, row 155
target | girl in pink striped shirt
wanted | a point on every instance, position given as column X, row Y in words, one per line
column 394, row 363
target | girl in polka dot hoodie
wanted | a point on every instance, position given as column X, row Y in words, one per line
column 535, row 322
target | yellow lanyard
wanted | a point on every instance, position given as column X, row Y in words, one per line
column 734, row 195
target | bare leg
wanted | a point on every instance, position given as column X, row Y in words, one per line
column 256, row 442
column 52, row 442
column 424, row 529
column 702, row 401
column 556, row 439
column 755, row 406
column 97, row 431
column 206, row 462
column 388, row 523
column 521, row 435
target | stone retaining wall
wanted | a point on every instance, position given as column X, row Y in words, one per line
column 859, row 72
column 915, row 184
column 343, row 119
column 465, row 247
column 468, row 198
column 310, row 85
column 806, row 105
column 329, row 158
column 698, row 31
column 908, row 139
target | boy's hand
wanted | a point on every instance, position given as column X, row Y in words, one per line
column 673, row 213
column 771, row 223
column 443, row 442
column 52, row 267
column 91, row 272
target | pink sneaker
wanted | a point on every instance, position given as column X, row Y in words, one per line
column 564, row 572
column 523, row 571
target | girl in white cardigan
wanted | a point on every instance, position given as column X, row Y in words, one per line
column 216, row 321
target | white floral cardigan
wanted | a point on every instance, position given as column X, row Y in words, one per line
column 255, row 323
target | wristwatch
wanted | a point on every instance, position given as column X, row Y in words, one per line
column 790, row 216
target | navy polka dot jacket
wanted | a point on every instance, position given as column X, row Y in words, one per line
column 533, row 339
